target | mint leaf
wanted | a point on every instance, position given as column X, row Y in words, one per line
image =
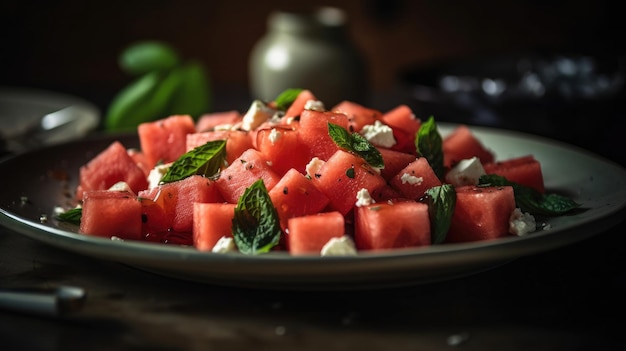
column 72, row 216
column 147, row 56
column 441, row 201
column 530, row 200
column 429, row 144
column 205, row 160
column 256, row 227
column 357, row 144
column 286, row 98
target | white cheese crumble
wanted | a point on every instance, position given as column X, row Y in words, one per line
column 121, row 186
column 314, row 105
column 156, row 174
column 466, row 172
column 411, row 179
column 379, row 134
column 224, row 244
column 342, row 246
column 363, row 198
column 274, row 136
column 256, row 115
column 521, row 223
column 314, row 166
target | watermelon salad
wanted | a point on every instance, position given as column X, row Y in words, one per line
column 293, row 175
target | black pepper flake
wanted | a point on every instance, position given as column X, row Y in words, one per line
column 317, row 175
column 144, row 218
column 350, row 172
column 285, row 190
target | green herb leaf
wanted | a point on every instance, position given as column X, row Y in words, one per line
column 256, row 227
column 72, row 216
column 147, row 56
column 441, row 201
column 193, row 96
column 356, row 144
column 530, row 200
column 205, row 160
column 286, row 98
column 428, row 143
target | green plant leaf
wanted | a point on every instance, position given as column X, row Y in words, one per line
column 72, row 216
column 148, row 56
column 441, row 201
column 205, row 160
column 429, row 144
column 357, row 144
column 530, row 200
column 256, row 227
column 286, row 98
column 193, row 96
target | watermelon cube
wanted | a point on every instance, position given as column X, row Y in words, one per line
column 414, row 179
column 110, row 166
column 282, row 147
column 165, row 140
column 358, row 115
column 237, row 141
column 481, row 213
column 211, row 222
column 307, row 235
column 209, row 121
column 111, row 213
column 394, row 162
column 342, row 176
column 313, row 131
column 297, row 106
column 524, row 170
column 402, row 118
column 391, row 225
column 295, row 195
column 243, row 172
column 462, row 144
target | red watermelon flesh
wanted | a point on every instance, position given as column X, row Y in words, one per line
column 308, row 234
column 462, row 144
column 211, row 120
column 283, row 148
column 358, row 115
column 313, row 131
column 414, row 179
column 111, row 213
column 524, row 170
column 165, row 140
column 212, row 221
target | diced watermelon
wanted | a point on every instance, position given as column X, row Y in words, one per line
column 308, row 234
column 165, row 140
column 414, row 179
column 295, row 195
column 358, row 115
column 402, row 118
column 282, row 147
column 110, row 166
column 524, row 170
column 211, row 120
column 394, row 162
column 243, row 172
column 177, row 199
column 154, row 219
column 391, row 225
column 341, row 178
column 298, row 104
column 111, row 213
column 481, row 213
column 140, row 160
column 212, row 221
column 462, row 144
column 237, row 141
column 313, row 131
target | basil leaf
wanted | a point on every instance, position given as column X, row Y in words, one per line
column 441, row 201
column 429, row 144
column 357, row 144
column 72, row 216
column 193, row 96
column 205, row 160
column 530, row 200
column 286, row 98
column 256, row 227
column 147, row 56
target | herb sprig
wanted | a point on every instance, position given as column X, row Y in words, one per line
column 429, row 144
column 205, row 160
column 357, row 144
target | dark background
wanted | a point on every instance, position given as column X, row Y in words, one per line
column 72, row 46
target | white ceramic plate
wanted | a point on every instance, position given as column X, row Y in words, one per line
column 22, row 109
column 45, row 178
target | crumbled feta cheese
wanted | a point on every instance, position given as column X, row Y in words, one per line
column 274, row 136
column 314, row 105
column 226, row 126
column 379, row 134
column 342, row 246
column 466, row 172
column 156, row 174
column 121, row 186
column 411, row 179
column 363, row 198
column 314, row 166
column 521, row 223
column 256, row 115
column 224, row 244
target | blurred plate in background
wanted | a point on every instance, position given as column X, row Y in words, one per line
column 31, row 118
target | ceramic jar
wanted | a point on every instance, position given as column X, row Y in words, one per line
column 308, row 51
